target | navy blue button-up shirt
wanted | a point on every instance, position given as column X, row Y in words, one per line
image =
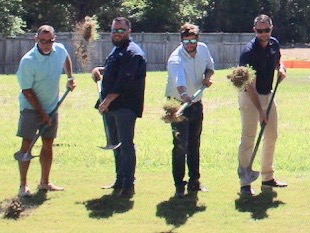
column 124, row 74
column 263, row 60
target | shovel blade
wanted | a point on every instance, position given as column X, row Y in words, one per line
column 247, row 175
column 110, row 147
column 21, row 156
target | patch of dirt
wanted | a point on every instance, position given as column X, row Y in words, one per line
column 301, row 52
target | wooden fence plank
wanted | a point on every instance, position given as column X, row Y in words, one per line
column 224, row 47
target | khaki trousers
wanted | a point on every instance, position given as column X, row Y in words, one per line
column 249, row 123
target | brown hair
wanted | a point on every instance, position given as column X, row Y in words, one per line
column 123, row 19
column 188, row 29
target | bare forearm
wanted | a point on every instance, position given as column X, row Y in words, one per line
column 33, row 100
column 208, row 74
column 68, row 66
column 104, row 105
column 96, row 73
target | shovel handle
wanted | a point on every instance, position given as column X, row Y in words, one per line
column 185, row 105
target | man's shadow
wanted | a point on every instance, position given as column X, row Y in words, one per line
column 20, row 207
column 107, row 205
column 258, row 205
column 177, row 211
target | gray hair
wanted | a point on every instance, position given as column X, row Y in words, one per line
column 45, row 29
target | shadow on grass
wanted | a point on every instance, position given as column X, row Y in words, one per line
column 177, row 211
column 258, row 205
column 107, row 206
column 20, row 207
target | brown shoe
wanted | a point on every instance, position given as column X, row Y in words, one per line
column 50, row 187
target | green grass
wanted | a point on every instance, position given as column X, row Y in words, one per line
column 82, row 168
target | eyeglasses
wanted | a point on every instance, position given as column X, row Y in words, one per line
column 51, row 41
column 118, row 30
column 192, row 41
column 260, row 31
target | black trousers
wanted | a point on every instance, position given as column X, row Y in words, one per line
column 186, row 144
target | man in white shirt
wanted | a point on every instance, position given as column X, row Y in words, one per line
column 190, row 66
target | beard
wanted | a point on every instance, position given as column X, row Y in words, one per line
column 118, row 43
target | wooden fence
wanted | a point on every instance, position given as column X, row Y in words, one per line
column 224, row 47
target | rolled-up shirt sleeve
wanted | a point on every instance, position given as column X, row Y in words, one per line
column 176, row 73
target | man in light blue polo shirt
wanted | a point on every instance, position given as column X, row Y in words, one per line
column 38, row 75
column 189, row 67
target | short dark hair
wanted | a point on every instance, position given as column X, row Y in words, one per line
column 263, row 19
column 123, row 19
column 188, row 29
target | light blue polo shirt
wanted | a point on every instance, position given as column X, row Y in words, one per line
column 41, row 73
column 184, row 70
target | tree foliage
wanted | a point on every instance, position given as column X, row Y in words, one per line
column 291, row 17
column 11, row 22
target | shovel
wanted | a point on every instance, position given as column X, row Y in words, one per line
column 21, row 156
column 247, row 174
column 109, row 145
column 185, row 105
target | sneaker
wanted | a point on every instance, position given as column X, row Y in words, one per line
column 50, row 187
column 274, row 183
column 24, row 191
column 247, row 191
column 195, row 186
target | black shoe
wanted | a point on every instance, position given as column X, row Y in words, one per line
column 127, row 192
column 274, row 183
column 180, row 190
column 246, row 190
column 195, row 186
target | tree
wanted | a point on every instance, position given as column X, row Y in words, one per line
column 11, row 22
column 163, row 15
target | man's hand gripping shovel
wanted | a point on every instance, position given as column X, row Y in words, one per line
column 109, row 145
column 187, row 104
column 26, row 156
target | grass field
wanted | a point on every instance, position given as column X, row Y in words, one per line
column 82, row 168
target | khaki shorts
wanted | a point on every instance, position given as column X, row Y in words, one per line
column 29, row 122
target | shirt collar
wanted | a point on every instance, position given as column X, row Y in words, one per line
column 185, row 52
column 39, row 55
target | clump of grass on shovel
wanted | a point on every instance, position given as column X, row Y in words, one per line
column 242, row 76
column 171, row 107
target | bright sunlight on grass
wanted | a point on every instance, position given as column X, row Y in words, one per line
column 82, row 168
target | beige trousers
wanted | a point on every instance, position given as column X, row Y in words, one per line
column 249, row 123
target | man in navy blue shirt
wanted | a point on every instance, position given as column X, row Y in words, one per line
column 262, row 53
column 123, row 84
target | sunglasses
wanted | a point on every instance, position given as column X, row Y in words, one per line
column 260, row 31
column 119, row 30
column 192, row 41
column 42, row 41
